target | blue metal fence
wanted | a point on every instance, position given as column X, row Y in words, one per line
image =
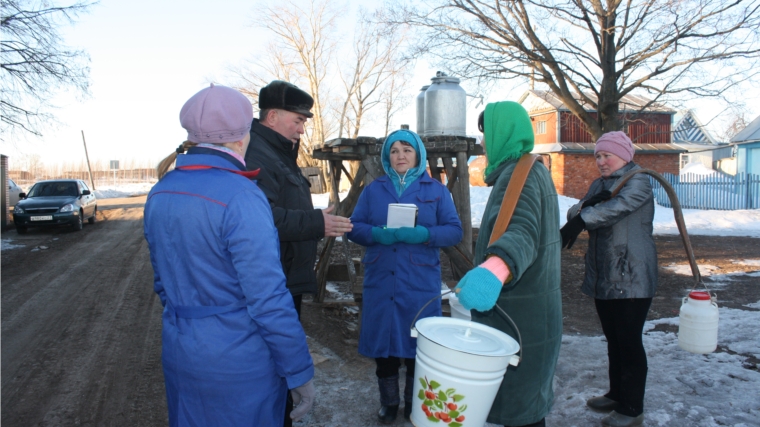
column 718, row 191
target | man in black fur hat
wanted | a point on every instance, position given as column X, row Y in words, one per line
column 275, row 138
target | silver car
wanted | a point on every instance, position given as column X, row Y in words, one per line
column 13, row 192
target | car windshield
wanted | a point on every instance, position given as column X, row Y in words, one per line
column 44, row 189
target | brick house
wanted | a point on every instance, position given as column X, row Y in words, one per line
column 568, row 148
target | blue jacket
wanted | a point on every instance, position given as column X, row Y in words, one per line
column 400, row 278
column 232, row 342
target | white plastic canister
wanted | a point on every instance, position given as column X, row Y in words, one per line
column 458, row 370
column 698, row 323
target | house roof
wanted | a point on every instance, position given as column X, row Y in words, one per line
column 584, row 148
column 690, row 130
column 542, row 100
column 751, row 133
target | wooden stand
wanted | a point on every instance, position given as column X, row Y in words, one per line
column 446, row 155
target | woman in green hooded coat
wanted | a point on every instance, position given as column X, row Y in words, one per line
column 521, row 271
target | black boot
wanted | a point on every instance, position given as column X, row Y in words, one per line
column 389, row 399
column 408, row 390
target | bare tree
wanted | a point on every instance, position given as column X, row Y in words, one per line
column 591, row 53
column 736, row 124
column 306, row 35
column 35, row 63
column 394, row 95
column 255, row 74
column 375, row 62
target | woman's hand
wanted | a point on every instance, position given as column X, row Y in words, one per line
column 384, row 236
column 596, row 198
column 571, row 230
column 413, row 235
column 479, row 289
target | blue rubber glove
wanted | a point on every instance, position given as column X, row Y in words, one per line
column 413, row 236
column 384, row 236
column 479, row 289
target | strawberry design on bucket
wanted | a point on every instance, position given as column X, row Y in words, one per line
column 441, row 405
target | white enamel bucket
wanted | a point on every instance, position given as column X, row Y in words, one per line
column 698, row 323
column 458, row 370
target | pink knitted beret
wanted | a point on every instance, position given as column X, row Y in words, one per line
column 216, row 115
column 616, row 143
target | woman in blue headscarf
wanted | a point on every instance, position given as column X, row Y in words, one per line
column 402, row 269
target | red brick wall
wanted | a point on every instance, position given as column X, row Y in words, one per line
column 658, row 162
column 573, row 173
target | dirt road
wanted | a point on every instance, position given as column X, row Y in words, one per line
column 81, row 326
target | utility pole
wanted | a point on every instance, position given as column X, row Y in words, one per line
column 89, row 169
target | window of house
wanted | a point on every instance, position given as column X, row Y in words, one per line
column 541, row 127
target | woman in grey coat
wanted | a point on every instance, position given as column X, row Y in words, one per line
column 621, row 272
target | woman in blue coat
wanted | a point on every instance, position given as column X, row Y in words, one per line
column 232, row 342
column 402, row 268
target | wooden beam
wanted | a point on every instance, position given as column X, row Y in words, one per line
column 451, row 176
column 344, row 208
column 465, row 211
column 348, row 175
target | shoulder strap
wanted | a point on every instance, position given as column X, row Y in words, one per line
column 512, row 195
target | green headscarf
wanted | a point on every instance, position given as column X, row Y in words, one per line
column 508, row 133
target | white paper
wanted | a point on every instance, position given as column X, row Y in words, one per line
column 401, row 215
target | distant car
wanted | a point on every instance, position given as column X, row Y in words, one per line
column 55, row 203
column 13, row 192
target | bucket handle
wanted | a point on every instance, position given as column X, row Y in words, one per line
column 512, row 362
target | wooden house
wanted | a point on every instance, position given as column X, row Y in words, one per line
column 568, row 147
column 747, row 148
column 689, row 133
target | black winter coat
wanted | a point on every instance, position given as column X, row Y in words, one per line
column 299, row 225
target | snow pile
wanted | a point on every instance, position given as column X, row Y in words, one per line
column 696, row 169
column 8, row 244
column 683, row 389
column 123, row 190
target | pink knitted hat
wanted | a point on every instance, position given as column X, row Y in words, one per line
column 216, row 115
column 616, row 143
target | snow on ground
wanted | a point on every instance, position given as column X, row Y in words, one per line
column 698, row 169
column 683, row 389
column 124, row 190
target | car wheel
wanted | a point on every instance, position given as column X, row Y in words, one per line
column 91, row 220
column 80, row 221
column 20, row 229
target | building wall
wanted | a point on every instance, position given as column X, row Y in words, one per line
column 573, row 129
column 573, row 173
column 660, row 163
column 644, row 129
column 748, row 158
column 649, row 129
column 550, row 123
